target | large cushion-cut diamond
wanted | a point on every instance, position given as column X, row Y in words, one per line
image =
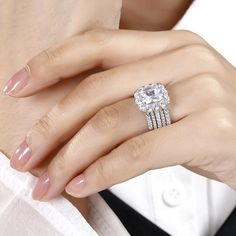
column 151, row 97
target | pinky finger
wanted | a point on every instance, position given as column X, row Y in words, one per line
column 132, row 158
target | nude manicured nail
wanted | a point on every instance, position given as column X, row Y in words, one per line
column 17, row 82
column 21, row 156
column 76, row 185
column 41, row 187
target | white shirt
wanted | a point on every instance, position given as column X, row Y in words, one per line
column 21, row 215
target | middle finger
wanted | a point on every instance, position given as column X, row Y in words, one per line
column 110, row 127
column 101, row 90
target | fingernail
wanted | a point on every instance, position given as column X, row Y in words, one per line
column 76, row 185
column 17, row 82
column 41, row 187
column 21, row 156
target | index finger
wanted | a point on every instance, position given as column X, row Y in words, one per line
column 96, row 48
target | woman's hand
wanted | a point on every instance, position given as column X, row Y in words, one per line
column 105, row 135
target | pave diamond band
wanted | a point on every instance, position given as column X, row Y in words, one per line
column 157, row 119
column 153, row 100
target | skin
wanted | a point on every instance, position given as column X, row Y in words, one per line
column 16, row 49
column 101, row 138
column 23, row 34
column 155, row 15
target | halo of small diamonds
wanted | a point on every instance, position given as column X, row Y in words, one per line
column 152, row 97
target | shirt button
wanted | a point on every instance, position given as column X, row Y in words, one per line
column 174, row 195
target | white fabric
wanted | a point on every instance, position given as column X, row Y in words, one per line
column 180, row 202
column 20, row 215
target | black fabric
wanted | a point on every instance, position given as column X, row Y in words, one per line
column 134, row 222
column 138, row 225
column 229, row 227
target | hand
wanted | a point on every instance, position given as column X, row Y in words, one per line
column 105, row 135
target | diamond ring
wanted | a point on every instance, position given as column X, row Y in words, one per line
column 153, row 100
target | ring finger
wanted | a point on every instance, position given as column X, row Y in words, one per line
column 98, row 91
column 105, row 131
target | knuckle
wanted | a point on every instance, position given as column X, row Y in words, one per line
column 219, row 123
column 106, row 119
column 43, row 125
column 46, row 125
column 138, row 149
column 202, row 51
column 196, row 48
column 39, row 65
column 99, row 37
column 212, row 86
column 55, row 53
column 91, row 84
column 58, row 165
column 196, row 37
column 78, row 139
column 223, row 121
column 50, row 55
column 46, row 62
column 67, row 104
column 100, row 176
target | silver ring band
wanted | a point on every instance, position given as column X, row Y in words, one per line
column 158, row 118
column 149, row 121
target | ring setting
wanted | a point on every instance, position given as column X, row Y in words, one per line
column 153, row 100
